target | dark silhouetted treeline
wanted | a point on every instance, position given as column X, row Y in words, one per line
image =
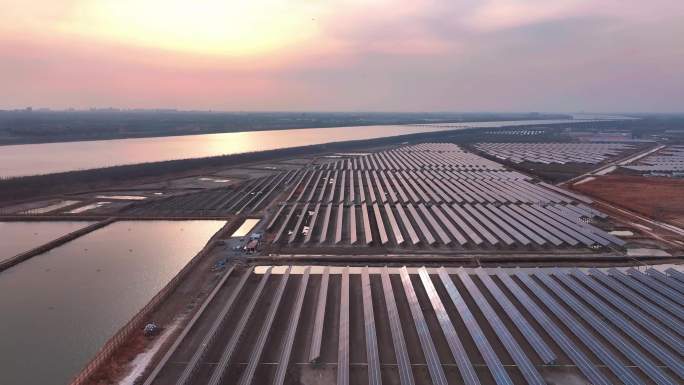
column 39, row 126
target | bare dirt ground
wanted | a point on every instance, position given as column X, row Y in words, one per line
column 658, row 198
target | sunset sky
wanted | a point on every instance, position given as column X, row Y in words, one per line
column 408, row 55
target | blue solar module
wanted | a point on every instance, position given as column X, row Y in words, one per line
column 651, row 282
column 592, row 373
column 371, row 335
column 649, row 293
column 260, row 343
column 343, row 336
column 229, row 349
column 605, row 355
column 664, row 279
column 528, row 370
column 641, row 302
column 493, row 363
column 403, row 363
column 610, row 334
column 636, row 314
column 288, row 342
column 431, row 357
column 319, row 318
column 540, row 347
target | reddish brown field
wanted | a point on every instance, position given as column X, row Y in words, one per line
column 659, row 198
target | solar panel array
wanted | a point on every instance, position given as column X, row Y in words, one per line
column 248, row 197
column 670, row 160
column 431, row 195
column 548, row 153
column 380, row 325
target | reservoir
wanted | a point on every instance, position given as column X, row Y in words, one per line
column 47, row 158
column 60, row 307
column 18, row 237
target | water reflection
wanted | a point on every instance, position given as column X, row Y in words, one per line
column 18, row 237
column 60, row 307
column 32, row 159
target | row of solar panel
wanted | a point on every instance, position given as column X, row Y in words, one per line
column 416, row 158
column 567, row 312
column 548, row 153
column 337, row 186
column 478, row 225
column 250, row 196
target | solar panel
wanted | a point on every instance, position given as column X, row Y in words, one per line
column 573, row 228
column 378, row 185
column 282, row 228
column 649, row 293
column 380, row 224
column 571, row 350
column 431, row 357
column 462, row 224
column 228, row 351
column 433, row 223
column 319, row 318
column 369, row 186
column 343, row 185
column 491, row 226
column 421, row 225
column 352, row 194
column 515, row 224
column 503, row 225
column 302, row 215
column 352, row 225
column 333, row 183
column 641, row 302
column 469, row 220
column 321, row 193
column 458, row 352
column 338, row 226
column 288, row 342
column 275, row 217
column 588, row 339
column 390, row 188
column 403, row 363
column 522, row 218
column 636, row 314
column 312, row 223
column 306, row 185
column 491, row 359
column 362, row 192
column 398, row 237
column 343, row 336
column 258, row 349
column 676, row 274
column 540, row 347
column 621, row 323
column 326, row 223
column 369, row 326
column 549, row 224
column 209, row 336
column 651, row 282
column 407, row 225
column 277, row 184
column 664, row 279
column 366, row 224
column 519, row 357
column 454, row 232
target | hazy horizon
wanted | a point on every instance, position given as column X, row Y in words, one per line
column 343, row 56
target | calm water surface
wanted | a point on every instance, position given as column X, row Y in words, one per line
column 34, row 159
column 60, row 307
column 17, row 237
